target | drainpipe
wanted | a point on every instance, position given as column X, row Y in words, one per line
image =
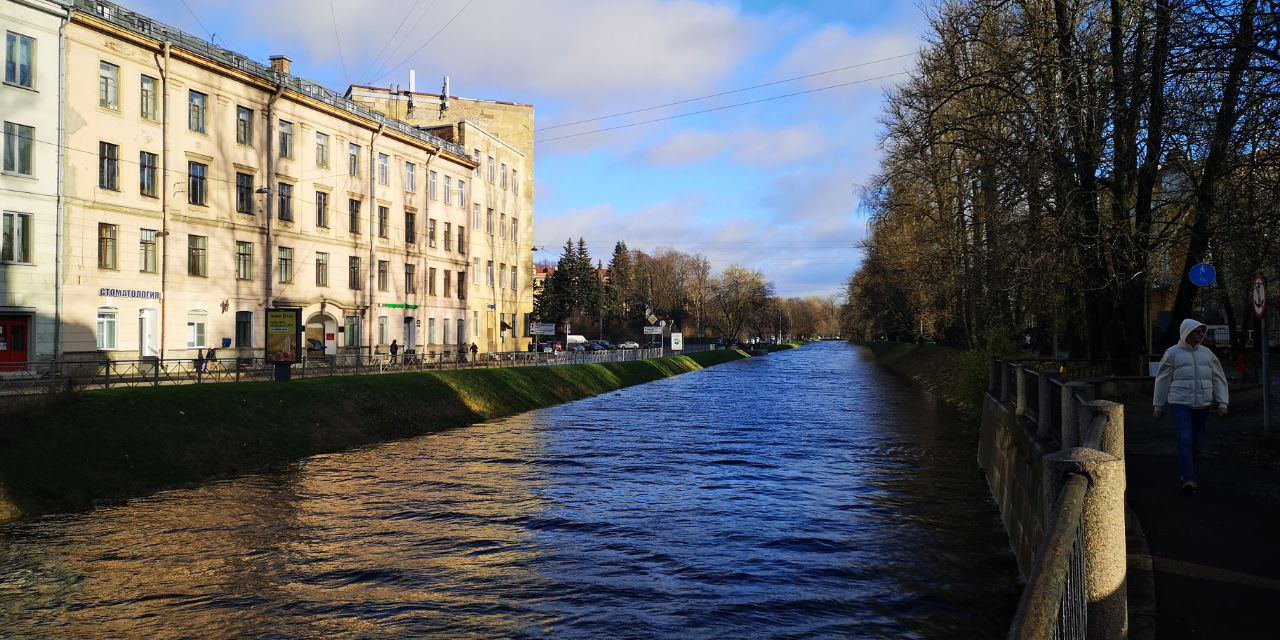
column 164, row 201
column 58, row 201
column 269, row 209
column 373, row 210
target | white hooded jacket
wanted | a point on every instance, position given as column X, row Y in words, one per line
column 1190, row 376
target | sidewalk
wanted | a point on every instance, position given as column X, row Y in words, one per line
column 1214, row 556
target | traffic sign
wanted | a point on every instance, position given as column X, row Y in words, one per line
column 1202, row 275
column 677, row 341
column 652, row 318
column 1258, row 295
column 653, row 331
column 543, row 329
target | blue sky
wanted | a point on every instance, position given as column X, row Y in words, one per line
column 772, row 185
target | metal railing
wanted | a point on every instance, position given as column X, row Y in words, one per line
column 1075, row 581
column 25, row 378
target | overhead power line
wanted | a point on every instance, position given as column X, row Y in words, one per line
column 342, row 58
column 424, row 45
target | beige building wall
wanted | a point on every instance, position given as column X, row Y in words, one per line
column 219, row 258
column 499, row 136
column 29, row 180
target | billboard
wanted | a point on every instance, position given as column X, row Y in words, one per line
column 282, row 335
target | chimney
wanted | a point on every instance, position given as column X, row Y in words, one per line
column 280, row 63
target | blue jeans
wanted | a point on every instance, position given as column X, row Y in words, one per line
column 1190, row 425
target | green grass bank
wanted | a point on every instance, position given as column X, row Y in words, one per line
column 66, row 451
column 957, row 376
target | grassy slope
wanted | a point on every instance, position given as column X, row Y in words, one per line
column 63, row 452
column 958, row 377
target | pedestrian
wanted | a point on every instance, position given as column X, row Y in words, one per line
column 1190, row 381
column 474, row 351
column 395, row 351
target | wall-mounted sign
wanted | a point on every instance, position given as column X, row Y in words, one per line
column 282, row 335
column 128, row 293
column 397, row 305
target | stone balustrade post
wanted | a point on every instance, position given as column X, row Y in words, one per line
column 1113, row 432
column 993, row 378
column 1044, row 414
column 1020, row 386
column 1102, row 535
column 1071, row 411
column 1006, row 383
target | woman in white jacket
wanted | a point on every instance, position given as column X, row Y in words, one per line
column 1189, row 382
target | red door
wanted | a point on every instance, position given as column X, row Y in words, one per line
column 13, row 342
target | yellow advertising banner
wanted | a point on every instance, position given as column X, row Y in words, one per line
column 282, row 335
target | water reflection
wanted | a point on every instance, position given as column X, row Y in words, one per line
column 804, row 494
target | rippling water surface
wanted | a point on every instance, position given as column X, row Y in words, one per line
column 805, row 494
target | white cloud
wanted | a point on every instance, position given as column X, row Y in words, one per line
column 752, row 147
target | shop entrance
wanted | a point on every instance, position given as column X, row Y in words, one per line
column 14, row 334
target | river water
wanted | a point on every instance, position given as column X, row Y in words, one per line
column 806, row 494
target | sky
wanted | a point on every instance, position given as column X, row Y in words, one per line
column 772, row 185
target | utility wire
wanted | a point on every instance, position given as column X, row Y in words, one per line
column 197, row 19
column 373, row 62
column 342, row 58
column 424, row 45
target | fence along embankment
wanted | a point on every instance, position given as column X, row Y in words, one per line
column 65, row 451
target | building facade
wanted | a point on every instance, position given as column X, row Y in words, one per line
column 204, row 188
column 498, row 136
column 29, row 181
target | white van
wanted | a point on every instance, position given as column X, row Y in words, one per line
column 571, row 340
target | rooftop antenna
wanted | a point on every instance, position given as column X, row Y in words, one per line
column 444, row 97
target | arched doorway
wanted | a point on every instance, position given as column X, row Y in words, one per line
column 322, row 335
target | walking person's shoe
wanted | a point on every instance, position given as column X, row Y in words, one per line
column 1189, row 487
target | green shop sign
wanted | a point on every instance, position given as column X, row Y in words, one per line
column 396, row 305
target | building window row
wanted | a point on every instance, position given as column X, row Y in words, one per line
column 19, row 60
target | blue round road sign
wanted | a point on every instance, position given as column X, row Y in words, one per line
column 1202, row 275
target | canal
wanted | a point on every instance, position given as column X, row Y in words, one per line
column 806, row 494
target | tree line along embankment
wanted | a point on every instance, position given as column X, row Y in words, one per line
column 956, row 376
column 66, row 451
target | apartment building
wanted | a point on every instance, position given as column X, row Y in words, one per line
column 203, row 188
column 498, row 136
column 29, row 181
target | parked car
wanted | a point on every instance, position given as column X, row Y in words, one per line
column 552, row 346
column 629, row 345
column 578, row 346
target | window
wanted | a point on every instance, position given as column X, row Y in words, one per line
column 448, row 236
column 410, row 281
column 475, row 155
column 462, row 293
column 286, row 139
column 244, row 329
column 431, row 281
column 197, row 104
column 515, row 183
column 244, row 193
column 197, row 256
column 504, row 175
column 490, row 169
column 352, row 331
column 514, row 286
column 108, row 165
column 383, row 333
column 16, row 245
column 285, row 258
column 489, row 270
column 285, row 204
column 322, row 149
column 462, row 330
column 244, row 126
column 383, row 212
column 196, row 182
column 488, row 222
column 150, row 98
column 106, row 329
column 353, row 216
column 502, row 275
column 18, row 140
column 384, row 172
column 431, row 185
column 502, row 226
column 410, row 228
column 195, row 329
column 19, row 60
column 475, row 210
column 462, row 194
column 408, row 177
column 448, row 282
column 353, row 272
column 322, row 269
column 353, row 160
column 322, row 210
column 244, row 260
column 448, row 190
column 108, row 85
column 462, row 243
column 515, row 229
column 383, row 278
column 475, row 323
column 148, row 163
column 431, row 232
column 147, row 250
column 107, row 236
column 431, row 330
column 475, row 271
